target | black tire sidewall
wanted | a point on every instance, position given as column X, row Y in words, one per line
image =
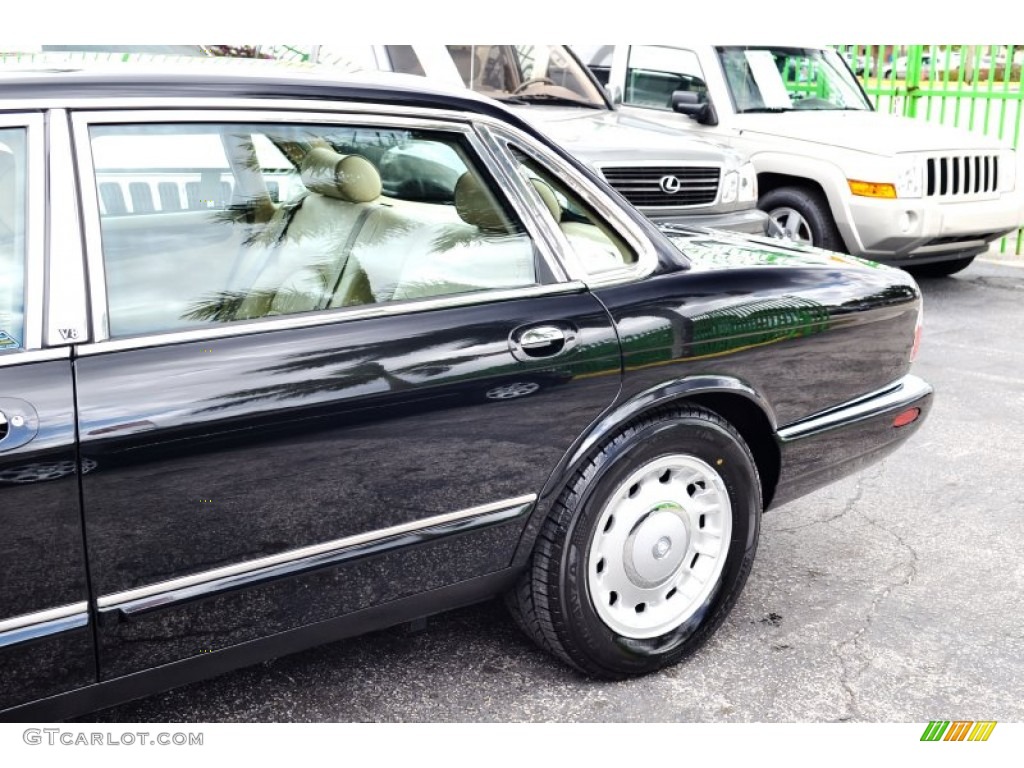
column 940, row 268
column 705, row 440
column 815, row 211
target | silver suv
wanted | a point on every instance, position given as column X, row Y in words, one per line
column 672, row 176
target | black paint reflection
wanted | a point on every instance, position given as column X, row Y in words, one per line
column 233, row 618
column 42, row 564
column 46, row 667
column 434, row 358
column 213, row 453
column 806, row 337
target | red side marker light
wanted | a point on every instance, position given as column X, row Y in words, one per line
column 907, row 417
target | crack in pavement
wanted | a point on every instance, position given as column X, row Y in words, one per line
column 847, row 674
column 845, row 652
column 850, row 504
column 1000, row 283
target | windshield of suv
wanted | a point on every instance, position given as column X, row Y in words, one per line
column 775, row 79
column 526, row 74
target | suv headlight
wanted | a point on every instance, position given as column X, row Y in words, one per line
column 1015, row 164
column 909, row 177
column 730, row 187
column 748, row 183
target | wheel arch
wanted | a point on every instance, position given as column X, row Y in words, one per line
column 732, row 399
column 775, row 170
column 771, row 180
column 754, row 426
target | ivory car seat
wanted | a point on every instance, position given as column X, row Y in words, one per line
column 482, row 251
column 317, row 243
column 548, row 197
column 592, row 247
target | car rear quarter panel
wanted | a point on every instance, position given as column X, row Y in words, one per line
column 805, row 338
column 779, row 336
column 791, row 339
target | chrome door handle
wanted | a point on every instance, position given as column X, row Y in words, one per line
column 19, row 423
column 538, row 341
column 543, row 336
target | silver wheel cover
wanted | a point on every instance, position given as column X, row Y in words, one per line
column 659, row 547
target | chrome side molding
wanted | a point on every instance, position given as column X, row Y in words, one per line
column 901, row 393
column 218, row 580
column 31, row 626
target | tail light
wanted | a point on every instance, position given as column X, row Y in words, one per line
column 918, row 328
column 908, row 416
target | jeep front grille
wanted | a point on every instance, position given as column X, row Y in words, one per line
column 665, row 186
column 962, row 175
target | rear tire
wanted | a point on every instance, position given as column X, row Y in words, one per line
column 804, row 216
column 940, row 268
column 647, row 549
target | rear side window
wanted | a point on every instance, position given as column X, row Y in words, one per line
column 12, row 238
column 597, row 247
column 206, row 224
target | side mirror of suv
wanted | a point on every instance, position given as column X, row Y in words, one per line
column 688, row 103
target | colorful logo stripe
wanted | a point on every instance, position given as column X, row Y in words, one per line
column 958, row 730
column 982, row 730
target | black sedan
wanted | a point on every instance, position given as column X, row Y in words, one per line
column 284, row 359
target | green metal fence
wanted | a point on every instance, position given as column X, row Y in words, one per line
column 977, row 87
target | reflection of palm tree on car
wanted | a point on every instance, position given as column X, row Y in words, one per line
column 356, row 365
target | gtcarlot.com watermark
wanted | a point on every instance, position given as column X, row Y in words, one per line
column 69, row 738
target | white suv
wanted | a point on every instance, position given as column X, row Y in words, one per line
column 831, row 171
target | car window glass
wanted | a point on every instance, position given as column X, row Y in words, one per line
column 781, row 79
column 526, row 73
column 12, row 238
column 597, row 246
column 655, row 72
column 597, row 58
column 204, row 224
column 404, row 59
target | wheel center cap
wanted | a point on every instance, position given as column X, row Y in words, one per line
column 656, row 546
column 662, row 547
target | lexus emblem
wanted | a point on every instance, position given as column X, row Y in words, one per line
column 670, row 184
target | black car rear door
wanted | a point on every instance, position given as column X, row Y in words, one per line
column 306, row 398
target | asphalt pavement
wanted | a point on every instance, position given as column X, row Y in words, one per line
column 894, row 595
